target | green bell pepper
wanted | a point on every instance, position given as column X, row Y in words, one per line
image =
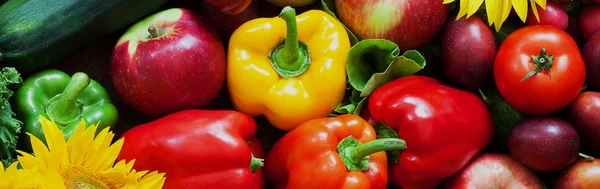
column 66, row 99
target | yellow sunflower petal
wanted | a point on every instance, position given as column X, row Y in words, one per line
column 473, row 7
column 39, row 149
column 448, row 1
column 542, row 3
column 492, row 8
column 75, row 142
column 113, row 154
column 97, row 156
column 534, row 9
column 83, row 147
column 521, row 8
column 464, row 8
column 505, row 11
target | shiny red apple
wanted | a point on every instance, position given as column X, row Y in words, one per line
column 408, row 23
column 491, row 171
column 582, row 174
column 172, row 60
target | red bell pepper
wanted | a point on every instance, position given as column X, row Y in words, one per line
column 336, row 152
column 444, row 127
column 198, row 149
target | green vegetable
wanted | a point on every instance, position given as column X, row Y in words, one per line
column 37, row 33
column 66, row 99
column 505, row 117
column 10, row 127
column 372, row 63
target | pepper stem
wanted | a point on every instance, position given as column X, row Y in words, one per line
column 66, row 108
column 356, row 155
column 542, row 61
column 256, row 163
column 290, row 57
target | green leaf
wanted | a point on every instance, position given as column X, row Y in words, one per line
column 359, row 106
column 374, row 62
column 329, row 8
column 505, row 116
column 383, row 131
column 10, row 127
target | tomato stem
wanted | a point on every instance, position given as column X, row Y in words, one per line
column 542, row 61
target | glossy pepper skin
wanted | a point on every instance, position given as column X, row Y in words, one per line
column 309, row 156
column 443, row 127
column 304, row 80
column 213, row 149
column 67, row 99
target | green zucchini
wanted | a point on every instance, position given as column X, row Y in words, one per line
column 35, row 34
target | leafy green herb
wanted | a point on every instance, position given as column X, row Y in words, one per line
column 10, row 127
column 372, row 63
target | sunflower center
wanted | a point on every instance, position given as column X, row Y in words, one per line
column 78, row 178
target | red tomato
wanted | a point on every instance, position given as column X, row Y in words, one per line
column 548, row 90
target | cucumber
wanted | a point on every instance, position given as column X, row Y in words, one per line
column 35, row 34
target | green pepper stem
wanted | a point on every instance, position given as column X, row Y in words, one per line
column 290, row 50
column 291, row 58
column 383, row 144
column 256, row 163
column 65, row 108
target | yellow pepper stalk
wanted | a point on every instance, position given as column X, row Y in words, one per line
column 290, row 69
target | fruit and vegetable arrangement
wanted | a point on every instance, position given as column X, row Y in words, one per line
column 253, row 94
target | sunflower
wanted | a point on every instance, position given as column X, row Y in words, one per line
column 498, row 10
column 83, row 161
column 21, row 178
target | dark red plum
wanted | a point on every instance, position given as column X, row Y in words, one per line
column 226, row 24
column 589, row 20
column 544, row 143
column 591, row 58
column 554, row 15
column 468, row 50
column 584, row 115
column 573, row 28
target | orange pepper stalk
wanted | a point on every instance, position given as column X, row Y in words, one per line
column 335, row 152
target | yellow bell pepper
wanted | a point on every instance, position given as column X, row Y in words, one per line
column 290, row 69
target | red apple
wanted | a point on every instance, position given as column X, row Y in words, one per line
column 227, row 24
column 230, row 7
column 582, row 174
column 408, row 23
column 492, row 170
column 172, row 60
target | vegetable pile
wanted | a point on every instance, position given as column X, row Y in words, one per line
column 413, row 94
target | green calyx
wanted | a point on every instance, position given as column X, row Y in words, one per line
column 290, row 58
column 356, row 155
column 256, row 163
column 543, row 62
column 66, row 108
